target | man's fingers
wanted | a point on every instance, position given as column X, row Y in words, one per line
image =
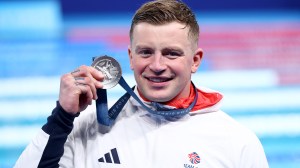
column 84, row 83
column 88, row 71
column 96, row 74
column 85, row 91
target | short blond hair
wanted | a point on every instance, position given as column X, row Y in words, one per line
column 165, row 11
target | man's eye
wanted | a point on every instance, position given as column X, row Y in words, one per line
column 172, row 54
column 145, row 53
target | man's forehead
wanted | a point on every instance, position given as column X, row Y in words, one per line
column 171, row 29
column 174, row 30
column 173, row 24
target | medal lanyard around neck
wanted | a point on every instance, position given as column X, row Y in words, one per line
column 107, row 117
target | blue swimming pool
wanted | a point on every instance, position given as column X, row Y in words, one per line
column 262, row 93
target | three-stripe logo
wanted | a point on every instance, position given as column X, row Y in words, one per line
column 108, row 159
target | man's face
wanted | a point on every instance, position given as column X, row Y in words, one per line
column 163, row 58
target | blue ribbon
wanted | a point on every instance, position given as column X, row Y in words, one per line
column 107, row 117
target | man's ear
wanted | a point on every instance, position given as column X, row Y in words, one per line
column 130, row 57
column 197, row 59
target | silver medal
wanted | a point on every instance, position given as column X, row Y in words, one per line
column 111, row 70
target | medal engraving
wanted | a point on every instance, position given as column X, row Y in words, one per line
column 111, row 70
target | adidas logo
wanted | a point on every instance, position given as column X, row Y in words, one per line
column 107, row 157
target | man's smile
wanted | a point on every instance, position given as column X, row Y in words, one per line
column 158, row 79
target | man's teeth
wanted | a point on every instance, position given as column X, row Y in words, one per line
column 158, row 79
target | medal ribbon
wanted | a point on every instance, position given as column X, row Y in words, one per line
column 107, row 117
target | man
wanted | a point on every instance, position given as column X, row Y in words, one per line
column 163, row 54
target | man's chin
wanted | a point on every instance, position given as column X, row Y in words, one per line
column 157, row 94
column 159, row 99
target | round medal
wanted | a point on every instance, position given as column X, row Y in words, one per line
column 111, row 70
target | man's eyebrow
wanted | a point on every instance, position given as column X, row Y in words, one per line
column 173, row 49
column 139, row 47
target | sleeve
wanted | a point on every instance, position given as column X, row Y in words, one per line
column 46, row 149
column 253, row 155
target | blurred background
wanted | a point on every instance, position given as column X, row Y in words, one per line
column 252, row 55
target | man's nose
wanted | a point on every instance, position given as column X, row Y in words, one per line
column 157, row 63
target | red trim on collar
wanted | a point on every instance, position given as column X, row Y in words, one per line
column 204, row 100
